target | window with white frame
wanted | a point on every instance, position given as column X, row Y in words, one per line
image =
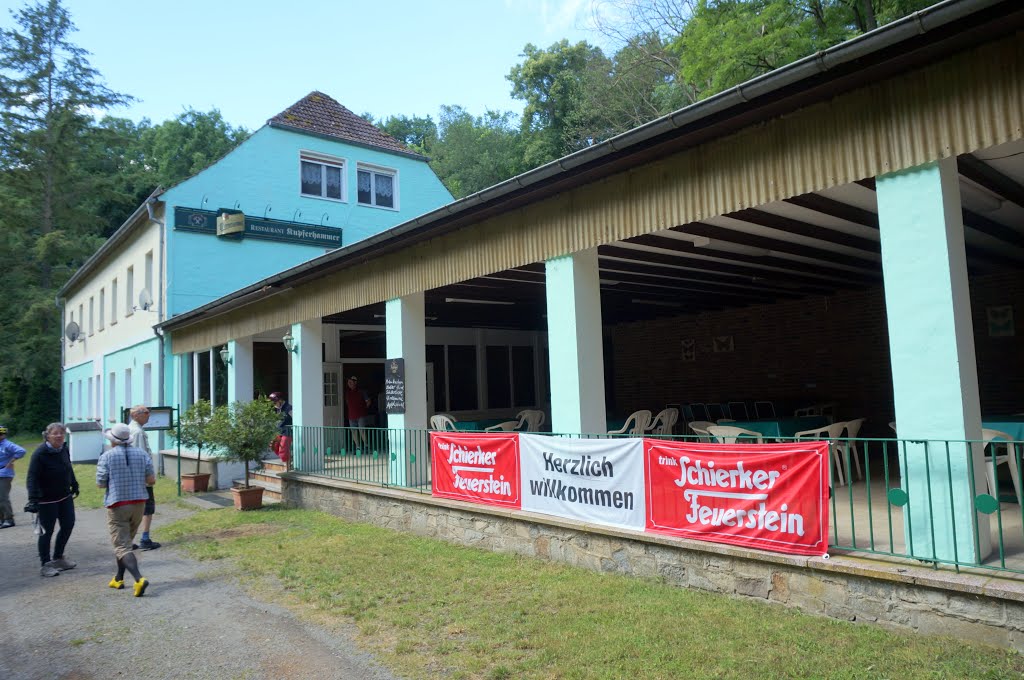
column 330, row 388
column 377, row 186
column 149, row 273
column 81, row 409
column 92, row 314
column 147, row 383
column 112, row 398
column 89, row 412
column 103, row 307
column 322, row 176
column 128, row 387
column 71, row 400
column 113, row 302
column 129, row 292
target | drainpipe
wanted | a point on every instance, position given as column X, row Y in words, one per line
column 63, row 357
column 150, row 204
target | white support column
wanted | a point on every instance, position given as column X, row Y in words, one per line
column 576, row 350
column 406, row 339
column 240, row 378
column 195, row 376
column 934, row 371
column 212, row 370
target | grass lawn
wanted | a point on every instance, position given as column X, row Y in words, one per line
column 429, row 609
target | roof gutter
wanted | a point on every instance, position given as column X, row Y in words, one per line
column 916, row 24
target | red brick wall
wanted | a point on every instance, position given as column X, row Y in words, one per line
column 818, row 349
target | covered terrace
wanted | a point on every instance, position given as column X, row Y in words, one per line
column 840, row 229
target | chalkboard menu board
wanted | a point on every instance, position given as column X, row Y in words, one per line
column 394, row 386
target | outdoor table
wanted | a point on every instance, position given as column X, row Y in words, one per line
column 781, row 428
column 478, row 425
column 1011, row 425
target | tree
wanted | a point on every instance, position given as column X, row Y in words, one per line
column 553, row 84
column 419, row 134
column 48, row 92
column 474, row 153
column 195, row 429
column 244, row 430
column 188, row 144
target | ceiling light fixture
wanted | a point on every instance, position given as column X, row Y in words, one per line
column 479, row 302
column 656, row 303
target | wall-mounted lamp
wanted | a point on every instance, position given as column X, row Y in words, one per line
column 289, row 343
column 225, row 356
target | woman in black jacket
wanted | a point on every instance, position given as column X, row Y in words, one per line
column 52, row 488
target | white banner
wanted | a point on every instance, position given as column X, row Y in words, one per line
column 593, row 480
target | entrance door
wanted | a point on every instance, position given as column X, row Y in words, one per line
column 370, row 378
column 333, row 412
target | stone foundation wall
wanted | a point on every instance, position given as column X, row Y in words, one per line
column 900, row 596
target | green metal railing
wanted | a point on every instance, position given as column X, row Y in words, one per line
column 371, row 455
column 920, row 500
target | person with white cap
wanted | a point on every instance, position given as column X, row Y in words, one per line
column 52, row 488
column 125, row 471
column 139, row 416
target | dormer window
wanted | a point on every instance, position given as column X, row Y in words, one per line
column 378, row 186
column 322, row 176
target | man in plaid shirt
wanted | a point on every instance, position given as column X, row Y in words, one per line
column 125, row 471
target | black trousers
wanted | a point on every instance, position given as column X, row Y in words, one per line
column 49, row 515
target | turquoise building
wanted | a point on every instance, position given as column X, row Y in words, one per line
column 315, row 178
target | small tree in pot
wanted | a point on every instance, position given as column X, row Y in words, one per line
column 244, row 430
column 194, row 435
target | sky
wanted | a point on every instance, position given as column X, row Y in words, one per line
column 254, row 58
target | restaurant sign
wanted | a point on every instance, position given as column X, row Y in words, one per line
column 234, row 224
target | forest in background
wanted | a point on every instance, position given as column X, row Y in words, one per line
column 70, row 174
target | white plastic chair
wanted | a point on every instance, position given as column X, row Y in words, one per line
column 996, row 438
column 507, row 426
column 831, row 433
column 530, row 420
column 728, row 435
column 442, row 422
column 852, row 430
column 664, row 422
column 700, row 427
column 636, row 423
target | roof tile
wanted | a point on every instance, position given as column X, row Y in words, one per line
column 319, row 114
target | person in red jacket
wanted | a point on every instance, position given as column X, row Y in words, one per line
column 357, row 408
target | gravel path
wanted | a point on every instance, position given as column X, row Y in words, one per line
column 192, row 623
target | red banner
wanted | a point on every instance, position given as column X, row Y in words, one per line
column 767, row 496
column 479, row 468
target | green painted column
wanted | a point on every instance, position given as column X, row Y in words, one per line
column 576, row 350
column 307, row 395
column 935, row 379
column 408, row 440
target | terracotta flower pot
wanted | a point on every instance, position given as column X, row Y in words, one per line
column 195, row 482
column 248, row 499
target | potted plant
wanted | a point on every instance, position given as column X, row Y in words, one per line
column 194, row 435
column 244, row 430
